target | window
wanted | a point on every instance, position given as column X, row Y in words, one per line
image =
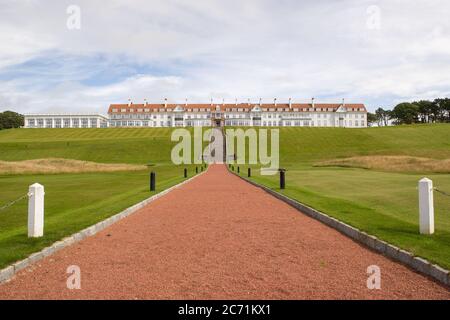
column 40, row 123
column 31, row 123
column 75, row 123
column 57, row 123
column 84, row 123
column 49, row 123
column 93, row 122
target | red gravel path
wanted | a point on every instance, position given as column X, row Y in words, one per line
column 219, row 237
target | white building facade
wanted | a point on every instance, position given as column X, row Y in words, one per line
column 243, row 114
column 205, row 115
column 65, row 121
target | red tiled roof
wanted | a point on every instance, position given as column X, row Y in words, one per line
column 223, row 107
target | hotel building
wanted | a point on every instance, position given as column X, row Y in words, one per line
column 188, row 115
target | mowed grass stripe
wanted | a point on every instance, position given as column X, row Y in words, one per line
column 80, row 134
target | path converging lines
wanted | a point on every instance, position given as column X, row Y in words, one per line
column 218, row 237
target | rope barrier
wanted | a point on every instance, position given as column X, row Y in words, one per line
column 6, row 206
column 442, row 192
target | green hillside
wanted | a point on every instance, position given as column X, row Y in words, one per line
column 381, row 203
column 115, row 145
column 313, row 144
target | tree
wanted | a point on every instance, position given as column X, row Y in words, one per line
column 406, row 113
column 425, row 109
column 442, row 107
column 10, row 119
column 383, row 116
column 371, row 118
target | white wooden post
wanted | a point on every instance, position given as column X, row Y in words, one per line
column 426, row 206
column 36, row 211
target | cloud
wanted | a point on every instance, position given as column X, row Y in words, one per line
column 231, row 49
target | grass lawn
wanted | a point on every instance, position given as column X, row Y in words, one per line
column 76, row 201
column 384, row 204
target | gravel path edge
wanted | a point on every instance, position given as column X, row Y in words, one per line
column 396, row 254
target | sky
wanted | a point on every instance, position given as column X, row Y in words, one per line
column 81, row 56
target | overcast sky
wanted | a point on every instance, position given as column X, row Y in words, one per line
column 376, row 52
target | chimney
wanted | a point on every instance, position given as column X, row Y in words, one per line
column 223, row 102
column 343, row 102
column 165, row 103
column 145, row 102
column 275, row 102
column 211, row 102
column 248, row 101
column 236, row 101
column 129, row 102
column 185, row 103
column 312, row 102
column 260, row 102
column 290, row 103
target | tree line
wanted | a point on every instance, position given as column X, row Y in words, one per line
column 10, row 119
column 423, row 111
